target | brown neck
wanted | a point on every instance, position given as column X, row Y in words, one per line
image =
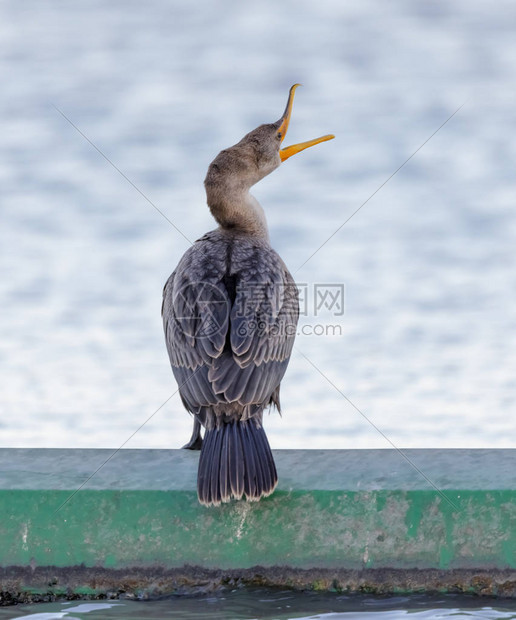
column 235, row 209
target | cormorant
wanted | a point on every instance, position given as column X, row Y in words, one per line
column 230, row 311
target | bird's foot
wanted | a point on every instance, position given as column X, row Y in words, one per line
column 194, row 444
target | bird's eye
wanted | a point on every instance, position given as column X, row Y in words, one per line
column 279, row 135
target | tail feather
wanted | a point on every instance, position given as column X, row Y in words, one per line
column 256, row 475
column 214, row 481
column 262, row 462
column 266, row 461
column 203, row 474
column 252, row 485
column 236, row 464
column 236, row 461
column 223, row 473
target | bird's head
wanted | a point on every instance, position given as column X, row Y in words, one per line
column 258, row 153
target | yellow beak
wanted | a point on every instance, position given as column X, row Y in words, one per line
column 285, row 120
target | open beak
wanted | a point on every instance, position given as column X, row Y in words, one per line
column 285, row 120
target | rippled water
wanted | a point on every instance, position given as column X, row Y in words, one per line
column 427, row 345
column 273, row 606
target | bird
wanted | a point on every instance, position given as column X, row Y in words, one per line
column 230, row 311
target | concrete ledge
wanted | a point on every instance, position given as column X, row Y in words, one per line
column 337, row 518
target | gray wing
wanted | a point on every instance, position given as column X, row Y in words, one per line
column 195, row 313
column 230, row 325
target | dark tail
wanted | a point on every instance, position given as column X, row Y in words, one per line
column 236, row 460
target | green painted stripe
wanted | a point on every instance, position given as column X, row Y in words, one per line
column 302, row 529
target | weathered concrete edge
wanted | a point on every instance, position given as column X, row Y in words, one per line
column 44, row 584
column 176, row 470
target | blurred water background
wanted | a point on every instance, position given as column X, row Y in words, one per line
column 427, row 346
